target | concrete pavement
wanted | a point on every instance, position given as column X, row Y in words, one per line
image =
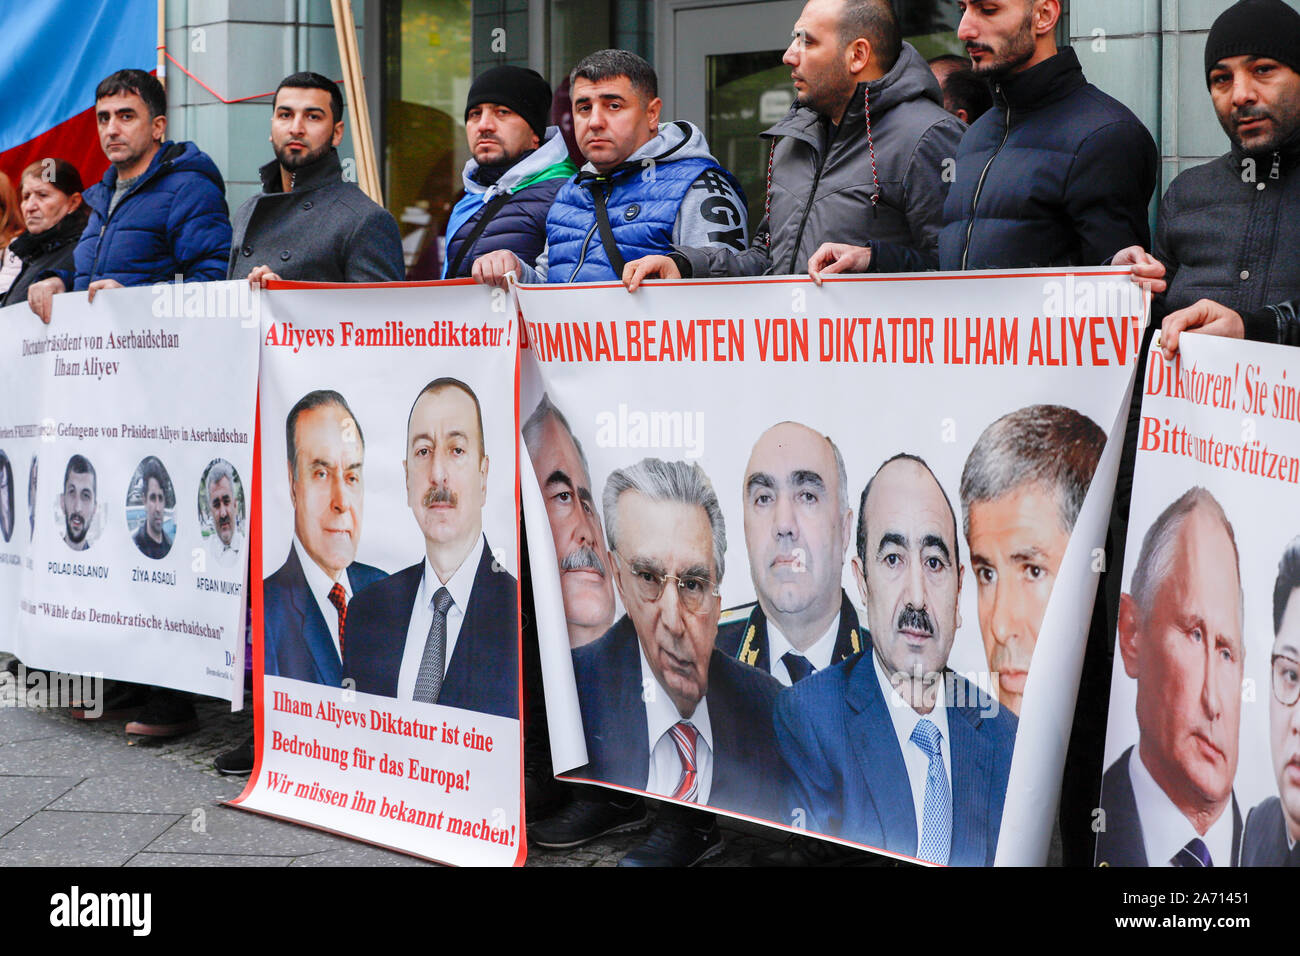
column 80, row 793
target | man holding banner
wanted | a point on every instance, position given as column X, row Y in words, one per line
column 312, row 224
column 519, row 164
column 160, row 210
column 632, row 162
column 645, row 187
column 861, row 159
column 1252, row 70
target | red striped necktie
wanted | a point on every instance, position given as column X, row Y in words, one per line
column 684, row 737
column 340, row 602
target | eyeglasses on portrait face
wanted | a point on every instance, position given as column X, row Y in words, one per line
column 694, row 591
column 1286, row 679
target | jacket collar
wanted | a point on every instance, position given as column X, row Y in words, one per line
column 323, row 172
column 98, row 199
column 552, row 151
column 1055, row 78
column 68, row 229
column 643, row 154
column 1286, row 157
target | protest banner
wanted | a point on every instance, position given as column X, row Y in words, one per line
column 701, row 539
column 387, row 624
column 1202, row 764
column 125, row 445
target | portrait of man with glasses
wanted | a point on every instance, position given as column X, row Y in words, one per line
column 663, row 710
column 1273, row 827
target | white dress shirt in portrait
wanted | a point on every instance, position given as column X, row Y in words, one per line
column 661, row 715
column 1165, row 830
column 819, row 655
column 320, row 584
column 459, row 587
column 915, row 759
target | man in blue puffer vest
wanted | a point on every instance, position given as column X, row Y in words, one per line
column 645, row 187
column 160, row 210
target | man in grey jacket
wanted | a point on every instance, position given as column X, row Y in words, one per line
column 860, row 158
column 307, row 223
column 311, row 224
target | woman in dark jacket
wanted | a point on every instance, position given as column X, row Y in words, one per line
column 55, row 218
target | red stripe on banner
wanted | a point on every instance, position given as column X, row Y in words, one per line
column 75, row 140
column 254, row 590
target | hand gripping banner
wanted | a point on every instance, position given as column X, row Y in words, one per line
column 126, row 449
column 1203, row 739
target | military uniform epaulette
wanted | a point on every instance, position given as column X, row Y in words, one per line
column 739, row 635
column 740, row 613
column 742, row 634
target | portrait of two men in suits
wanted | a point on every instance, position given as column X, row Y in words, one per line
column 444, row 630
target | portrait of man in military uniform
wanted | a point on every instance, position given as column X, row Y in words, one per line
column 798, row 525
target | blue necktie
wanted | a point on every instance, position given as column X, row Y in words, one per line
column 797, row 666
column 1196, row 853
column 936, row 824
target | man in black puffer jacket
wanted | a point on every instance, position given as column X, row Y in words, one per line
column 1057, row 173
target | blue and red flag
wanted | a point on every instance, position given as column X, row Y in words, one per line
column 52, row 56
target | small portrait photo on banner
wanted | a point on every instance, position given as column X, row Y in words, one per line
column 223, row 513
column 6, row 497
column 31, row 497
column 77, row 513
column 151, row 509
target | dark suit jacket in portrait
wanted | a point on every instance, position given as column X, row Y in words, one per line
column 297, row 639
column 1265, row 842
column 1120, row 843
column 848, row 774
column 745, row 637
column 483, row 673
column 747, row 772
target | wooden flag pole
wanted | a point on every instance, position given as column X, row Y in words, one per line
column 161, row 70
column 345, row 32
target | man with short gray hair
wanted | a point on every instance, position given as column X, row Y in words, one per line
column 227, row 541
column 1180, row 635
column 1021, row 490
column 662, row 709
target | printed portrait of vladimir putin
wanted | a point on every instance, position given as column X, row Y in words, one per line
column 1168, row 800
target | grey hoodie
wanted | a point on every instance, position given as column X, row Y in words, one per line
column 822, row 181
column 725, row 226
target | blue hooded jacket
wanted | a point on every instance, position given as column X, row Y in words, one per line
column 174, row 220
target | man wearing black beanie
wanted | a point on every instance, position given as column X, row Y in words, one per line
column 518, row 165
column 1224, row 248
column 1217, row 237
